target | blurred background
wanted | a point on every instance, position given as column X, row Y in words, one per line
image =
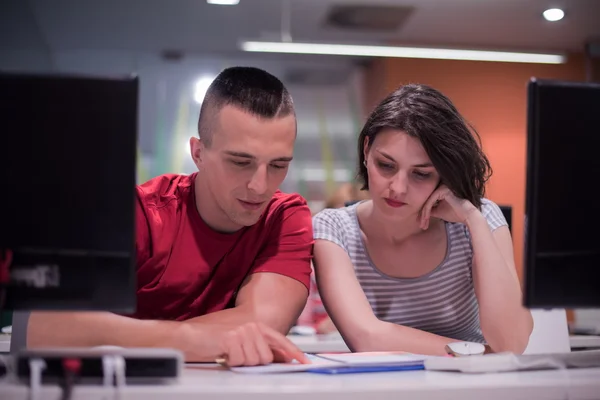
column 177, row 47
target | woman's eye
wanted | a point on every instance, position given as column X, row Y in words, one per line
column 422, row 175
column 384, row 166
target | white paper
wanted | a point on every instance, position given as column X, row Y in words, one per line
column 326, row 360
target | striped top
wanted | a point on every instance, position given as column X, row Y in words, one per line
column 442, row 301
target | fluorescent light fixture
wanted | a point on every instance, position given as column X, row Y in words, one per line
column 223, row 2
column 403, row 52
column 553, row 14
column 201, row 87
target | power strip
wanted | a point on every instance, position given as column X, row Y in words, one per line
column 142, row 365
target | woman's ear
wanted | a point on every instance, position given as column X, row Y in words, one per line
column 366, row 148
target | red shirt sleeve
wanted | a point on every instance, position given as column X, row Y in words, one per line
column 289, row 245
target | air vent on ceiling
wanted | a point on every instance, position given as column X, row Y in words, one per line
column 172, row 55
column 365, row 17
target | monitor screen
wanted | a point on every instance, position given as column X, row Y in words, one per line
column 67, row 166
column 562, row 230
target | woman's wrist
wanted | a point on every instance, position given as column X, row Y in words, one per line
column 473, row 217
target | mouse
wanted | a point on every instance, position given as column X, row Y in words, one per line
column 303, row 330
column 461, row 349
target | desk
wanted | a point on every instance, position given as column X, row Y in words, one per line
column 4, row 343
column 320, row 343
column 584, row 341
column 211, row 382
column 335, row 344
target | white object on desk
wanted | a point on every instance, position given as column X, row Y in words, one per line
column 503, row 362
column 584, row 341
column 550, row 332
column 303, row 330
column 331, row 343
column 210, row 382
column 4, row 343
column 328, row 360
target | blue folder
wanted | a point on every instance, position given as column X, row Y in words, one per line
column 367, row 368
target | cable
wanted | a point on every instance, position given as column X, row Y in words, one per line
column 119, row 364
column 71, row 369
column 36, row 366
column 108, row 372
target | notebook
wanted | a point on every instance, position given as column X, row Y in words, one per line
column 335, row 360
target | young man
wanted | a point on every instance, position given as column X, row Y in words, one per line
column 223, row 257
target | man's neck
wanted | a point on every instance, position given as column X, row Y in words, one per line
column 206, row 205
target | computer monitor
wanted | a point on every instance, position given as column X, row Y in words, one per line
column 507, row 213
column 562, row 229
column 67, row 175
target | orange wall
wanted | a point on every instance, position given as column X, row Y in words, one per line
column 492, row 96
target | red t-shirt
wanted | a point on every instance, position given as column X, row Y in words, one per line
column 186, row 269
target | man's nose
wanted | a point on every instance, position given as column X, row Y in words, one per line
column 258, row 180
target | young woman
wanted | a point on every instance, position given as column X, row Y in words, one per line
column 428, row 260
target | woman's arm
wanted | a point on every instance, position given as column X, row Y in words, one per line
column 505, row 323
column 351, row 312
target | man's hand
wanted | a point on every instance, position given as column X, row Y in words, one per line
column 257, row 344
column 249, row 344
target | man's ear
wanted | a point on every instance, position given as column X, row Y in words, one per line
column 197, row 150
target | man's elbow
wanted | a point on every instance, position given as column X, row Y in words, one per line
column 279, row 317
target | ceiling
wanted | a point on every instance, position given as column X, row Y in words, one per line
column 195, row 27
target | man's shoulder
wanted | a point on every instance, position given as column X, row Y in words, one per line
column 163, row 189
column 286, row 209
column 285, row 202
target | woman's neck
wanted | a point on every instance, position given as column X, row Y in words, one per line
column 376, row 226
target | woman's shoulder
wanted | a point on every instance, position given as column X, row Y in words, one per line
column 492, row 213
column 340, row 219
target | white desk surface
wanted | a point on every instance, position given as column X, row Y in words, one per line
column 4, row 343
column 320, row 343
column 581, row 341
column 212, row 382
column 335, row 344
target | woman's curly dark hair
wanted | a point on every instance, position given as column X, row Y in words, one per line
column 451, row 143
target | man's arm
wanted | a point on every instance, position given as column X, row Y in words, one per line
column 273, row 294
column 268, row 298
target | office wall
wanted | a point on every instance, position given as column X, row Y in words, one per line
column 492, row 96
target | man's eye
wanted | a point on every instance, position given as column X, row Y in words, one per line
column 240, row 163
column 278, row 166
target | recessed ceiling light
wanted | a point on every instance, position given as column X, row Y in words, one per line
column 553, row 14
column 223, row 2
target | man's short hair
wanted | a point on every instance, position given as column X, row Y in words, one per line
column 251, row 89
